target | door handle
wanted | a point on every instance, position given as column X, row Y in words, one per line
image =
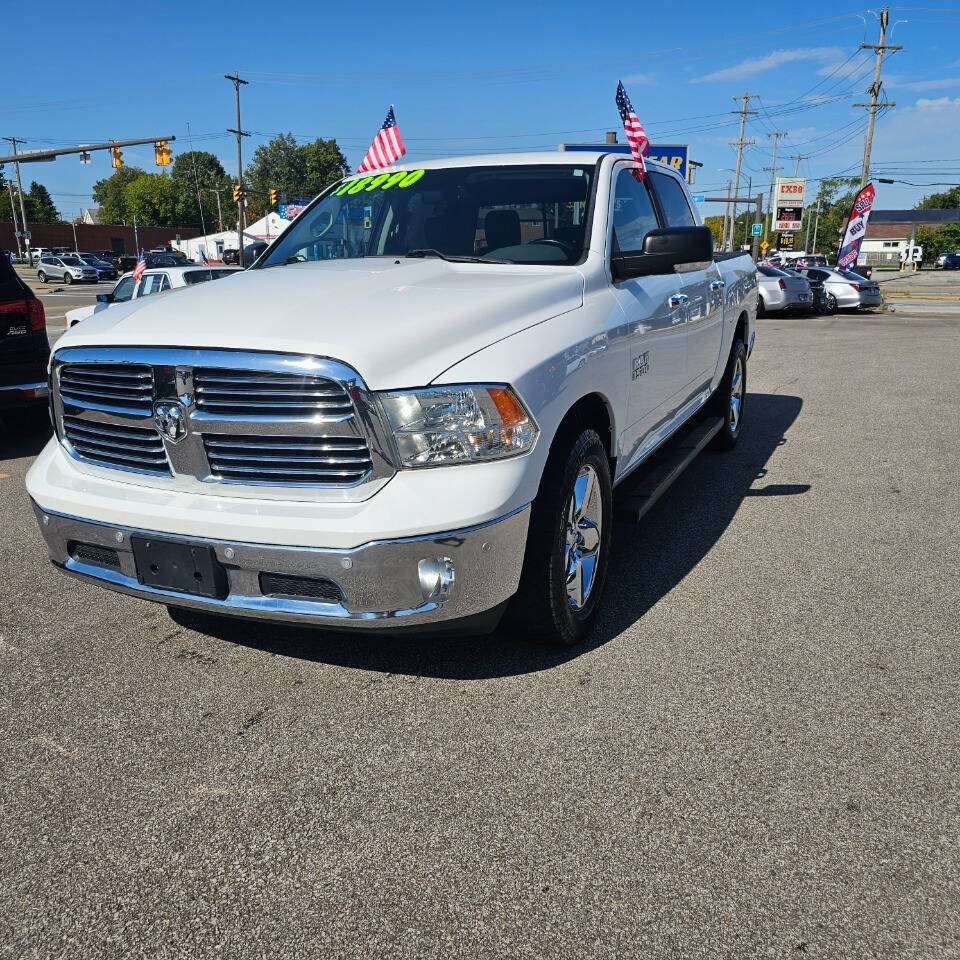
column 717, row 284
column 678, row 300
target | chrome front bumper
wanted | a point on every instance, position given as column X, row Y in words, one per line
column 410, row 582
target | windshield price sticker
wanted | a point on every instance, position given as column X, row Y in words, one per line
column 382, row 181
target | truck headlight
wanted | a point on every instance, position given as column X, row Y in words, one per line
column 442, row 425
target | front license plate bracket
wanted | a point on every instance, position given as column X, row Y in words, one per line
column 182, row 567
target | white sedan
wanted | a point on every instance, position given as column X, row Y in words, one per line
column 153, row 281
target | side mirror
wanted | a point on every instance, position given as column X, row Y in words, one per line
column 663, row 251
column 104, row 298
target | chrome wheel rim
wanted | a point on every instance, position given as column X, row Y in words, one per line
column 581, row 551
column 736, row 396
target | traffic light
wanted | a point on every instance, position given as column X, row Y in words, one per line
column 162, row 153
column 273, row 197
column 116, row 155
column 237, row 193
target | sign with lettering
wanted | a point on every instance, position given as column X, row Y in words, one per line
column 791, row 192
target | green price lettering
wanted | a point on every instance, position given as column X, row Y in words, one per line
column 411, row 178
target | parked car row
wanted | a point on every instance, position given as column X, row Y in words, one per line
column 814, row 289
column 949, row 261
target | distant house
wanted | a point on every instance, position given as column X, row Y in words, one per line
column 91, row 215
column 889, row 232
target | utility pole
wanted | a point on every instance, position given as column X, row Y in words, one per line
column 796, row 166
column 136, row 239
column 234, row 78
column 746, row 226
column 726, row 215
column 13, row 214
column 740, row 143
column 879, row 48
column 23, row 213
column 777, row 134
column 816, row 225
column 758, row 214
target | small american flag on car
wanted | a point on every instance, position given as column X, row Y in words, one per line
column 140, row 267
column 386, row 148
column 636, row 135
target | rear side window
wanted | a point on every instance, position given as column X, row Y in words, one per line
column 673, row 200
column 153, row 283
column 633, row 214
column 191, row 277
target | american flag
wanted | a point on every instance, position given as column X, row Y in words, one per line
column 140, row 267
column 387, row 146
column 203, row 257
column 636, row 135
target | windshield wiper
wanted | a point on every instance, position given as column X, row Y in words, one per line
column 433, row 252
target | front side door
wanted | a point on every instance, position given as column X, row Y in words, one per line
column 654, row 316
column 700, row 283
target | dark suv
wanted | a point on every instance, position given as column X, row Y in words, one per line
column 24, row 352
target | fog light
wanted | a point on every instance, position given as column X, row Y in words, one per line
column 437, row 578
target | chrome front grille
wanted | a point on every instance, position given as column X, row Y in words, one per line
column 288, row 460
column 193, row 418
column 265, row 394
column 127, row 447
column 108, row 386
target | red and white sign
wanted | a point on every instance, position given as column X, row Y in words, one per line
column 791, row 192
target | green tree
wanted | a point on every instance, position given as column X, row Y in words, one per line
column 300, row 171
column 835, row 197
column 715, row 224
column 946, row 239
column 199, row 168
column 197, row 165
column 948, row 200
column 109, row 195
column 41, row 208
column 160, row 201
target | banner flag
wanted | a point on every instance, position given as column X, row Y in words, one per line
column 856, row 228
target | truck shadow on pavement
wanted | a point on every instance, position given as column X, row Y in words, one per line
column 647, row 561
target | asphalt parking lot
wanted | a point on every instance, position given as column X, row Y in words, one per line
column 755, row 755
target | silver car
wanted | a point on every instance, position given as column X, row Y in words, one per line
column 844, row 290
column 782, row 290
column 66, row 269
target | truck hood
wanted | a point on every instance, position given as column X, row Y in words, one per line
column 398, row 322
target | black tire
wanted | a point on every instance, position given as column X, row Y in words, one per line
column 722, row 401
column 42, row 277
column 542, row 608
column 761, row 307
column 830, row 303
column 67, row 279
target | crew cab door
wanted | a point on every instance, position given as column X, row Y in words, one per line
column 701, row 284
column 655, row 320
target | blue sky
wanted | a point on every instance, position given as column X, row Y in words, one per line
column 489, row 76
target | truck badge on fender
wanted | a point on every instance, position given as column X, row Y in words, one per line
column 641, row 365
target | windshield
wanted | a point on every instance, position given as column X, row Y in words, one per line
column 515, row 214
column 772, row 271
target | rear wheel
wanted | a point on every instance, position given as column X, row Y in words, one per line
column 728, row 401
column 568, row 543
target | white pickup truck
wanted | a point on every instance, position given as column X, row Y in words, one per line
column 414, row 407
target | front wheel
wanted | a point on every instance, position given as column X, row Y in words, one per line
column 568, row 543
column 67, row 279
column 830, row 303
column 42, row 277
column 728, row 401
